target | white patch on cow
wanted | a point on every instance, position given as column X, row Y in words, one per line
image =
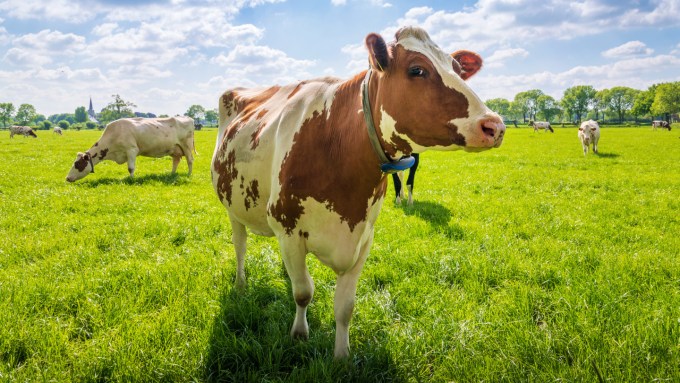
column 330, row 238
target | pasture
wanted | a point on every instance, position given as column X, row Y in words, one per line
column 529, row 262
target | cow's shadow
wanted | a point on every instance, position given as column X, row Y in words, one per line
column 250, row 341
column 436, row 215
column 169, row 179
column 607, row 155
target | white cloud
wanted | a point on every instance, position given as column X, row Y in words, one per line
column 62, row 10
column 498, row 58
column 338, row 2
column 22, row 57
column 52, row 42
column 631, row 48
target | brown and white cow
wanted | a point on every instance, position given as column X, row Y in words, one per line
column 25, row 131
column 282, row 151
column 661, row 124
column 589, row 133
column 541, row 125
column 125, row 139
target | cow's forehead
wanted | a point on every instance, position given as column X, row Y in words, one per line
column 426, row 47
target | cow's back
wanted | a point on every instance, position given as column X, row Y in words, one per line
column 153, row 137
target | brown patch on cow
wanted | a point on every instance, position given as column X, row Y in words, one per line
column 247, row 109
column 225, row 167
column 228, row 100
column 304, row 234
column 398, row 143
column 297, row 89
column 252, row 194
column 421, row 106
column 103, row 153
column 81, row 163
column 255, row 137
column 330, row 149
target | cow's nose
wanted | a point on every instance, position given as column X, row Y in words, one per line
column 492, row 127
column 68, row 179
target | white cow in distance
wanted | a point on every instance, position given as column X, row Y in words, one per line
column 125, row 139
column 589, row 133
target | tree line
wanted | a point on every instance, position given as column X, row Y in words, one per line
column 27, row 115
column 579, row 102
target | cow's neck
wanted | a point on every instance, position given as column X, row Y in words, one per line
column 97, row 153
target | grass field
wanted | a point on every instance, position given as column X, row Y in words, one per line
column 526, row 263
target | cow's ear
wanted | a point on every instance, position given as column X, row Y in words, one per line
column 80, row 155
column 470, row 63
column 378, row 56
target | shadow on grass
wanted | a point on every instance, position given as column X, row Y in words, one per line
column 607, row 155
column 168, row 179
column 250, row 342
column 436, row 215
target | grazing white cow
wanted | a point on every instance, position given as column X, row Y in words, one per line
column 661, row 124
column 541, row 125
column 589, row 133
column 57, row 130
column 282, row 151
column 125, row 139
column 25, row 131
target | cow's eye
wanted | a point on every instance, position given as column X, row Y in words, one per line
column 416, row 71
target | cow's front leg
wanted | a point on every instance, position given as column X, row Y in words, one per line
column 131, row 159
column 345, row 294
column 294, row 255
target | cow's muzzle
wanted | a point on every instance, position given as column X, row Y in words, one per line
column 492, row 129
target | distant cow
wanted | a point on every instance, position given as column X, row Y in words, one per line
column 57, row 130
column 589, row 133
column 398, row 179
column 198, row 126
column 661, row 124
column 125, row 139
column 282, row 152
column 23, row 130
column 541, row 125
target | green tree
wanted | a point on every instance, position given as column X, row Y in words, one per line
column 64, row 124
column 6, row 113
column 526, row 102
column 117, row 109
column 620, row 99
column 577, row 99
column 46, row 125
column 600, row 103
column 643, row 102
column 81, row 114
column 547, row 107
column 666, row 99
column 25, row 114
column 196, row 112
column 211, row 116
column 500, row 106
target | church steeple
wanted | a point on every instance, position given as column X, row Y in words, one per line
column 90, row 112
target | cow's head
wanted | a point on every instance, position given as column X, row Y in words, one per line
column 420, row 99
column 32, row 133
column 82, row 166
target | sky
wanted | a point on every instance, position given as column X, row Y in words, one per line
column 165, row 56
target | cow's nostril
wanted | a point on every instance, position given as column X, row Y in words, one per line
column 489, row 131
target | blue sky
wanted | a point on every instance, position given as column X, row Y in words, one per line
column 165, row 56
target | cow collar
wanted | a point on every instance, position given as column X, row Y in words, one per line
column 387, row 165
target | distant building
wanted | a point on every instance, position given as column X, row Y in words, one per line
column 92, row 116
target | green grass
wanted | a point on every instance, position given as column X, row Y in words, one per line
column 526, row 263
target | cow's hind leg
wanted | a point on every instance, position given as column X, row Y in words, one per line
column 239, row 235
column 175, row 163
column 294, row 255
